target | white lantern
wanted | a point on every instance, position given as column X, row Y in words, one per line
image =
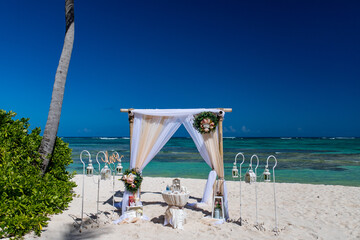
column 250, row 176
column 89, row 169
column 235, row 172
column 105, row 173
column 119, row 169
column 266, row 175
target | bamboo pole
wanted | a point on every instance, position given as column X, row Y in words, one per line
column 221, row 150
column 220, row 126
column 223, row 109
column 131, row 124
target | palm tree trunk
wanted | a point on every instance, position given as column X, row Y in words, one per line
column 48, row 142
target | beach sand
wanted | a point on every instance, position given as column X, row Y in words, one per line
column 304, row 211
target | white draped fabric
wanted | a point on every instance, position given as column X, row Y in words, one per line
column 153, row 128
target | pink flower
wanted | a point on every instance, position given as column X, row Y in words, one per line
column 130, row 179
column 206, row 129
column 132, row 185
column 206, row 121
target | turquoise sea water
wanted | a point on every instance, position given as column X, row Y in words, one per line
column 300, row 160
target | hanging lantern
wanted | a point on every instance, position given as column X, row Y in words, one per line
column 119, row 169
column 105, row 173
column 90, row 169
column 235, row 172
column 266, row 175
column 250, row 176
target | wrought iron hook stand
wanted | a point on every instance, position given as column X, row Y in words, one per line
column 276, row 229
column 243, row 160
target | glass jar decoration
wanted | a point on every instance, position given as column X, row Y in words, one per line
column 90, row 169
column 131, row 201
column 176, row 185
column 105, row 173
column 218, row 208
column 235, row 172
column 266, row 174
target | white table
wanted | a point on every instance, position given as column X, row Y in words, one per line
column 175, row 214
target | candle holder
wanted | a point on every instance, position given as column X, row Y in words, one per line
column 266, row 174
column 235, row 172
column 90, row 169
column 105, row 171
column 250, row 175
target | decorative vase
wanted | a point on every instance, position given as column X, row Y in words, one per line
column 217, row 213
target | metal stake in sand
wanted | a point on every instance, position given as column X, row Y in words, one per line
column 267, row 165
column 240, row 219
column 257, row 165
column 83, row 185
column 98, row 193
column 112, row 161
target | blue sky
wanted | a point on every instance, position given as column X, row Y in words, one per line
column 287, row 68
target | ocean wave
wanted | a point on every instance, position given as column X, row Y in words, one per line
column 107, row 138
column 125, row 138
column 286, row 138
column 229, row 137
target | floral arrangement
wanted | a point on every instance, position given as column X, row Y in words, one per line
column 206, row 122
column 218, row 203
column 132, row 180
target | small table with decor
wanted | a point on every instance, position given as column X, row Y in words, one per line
column 176, row 198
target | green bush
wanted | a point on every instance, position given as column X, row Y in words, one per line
column 26, row 198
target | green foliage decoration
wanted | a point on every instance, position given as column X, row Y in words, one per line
column 26, row 198
column 206, row 122
column 132, row 180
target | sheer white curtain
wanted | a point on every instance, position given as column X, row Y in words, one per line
column 208, row 147
column 199, row 142
column 150, row 134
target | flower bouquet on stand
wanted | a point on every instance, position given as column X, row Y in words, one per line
column 132, row 180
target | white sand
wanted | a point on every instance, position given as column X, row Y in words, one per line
column 304, row 212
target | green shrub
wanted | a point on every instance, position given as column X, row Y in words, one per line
column 26, row 198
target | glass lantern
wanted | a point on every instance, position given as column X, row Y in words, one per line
column 266, row 175
column 90, row 169
column 119, row 169
column 105, row 173
column 235, row 172
column 250, row 176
